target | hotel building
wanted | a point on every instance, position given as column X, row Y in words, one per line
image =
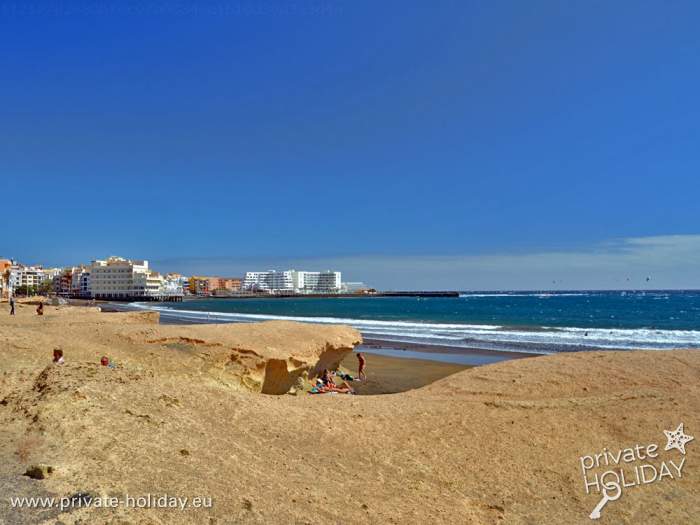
column 118, row 278
column 293, row 281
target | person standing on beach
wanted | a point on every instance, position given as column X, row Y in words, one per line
column 12, row 306
column 40, row 309
column 361, row 367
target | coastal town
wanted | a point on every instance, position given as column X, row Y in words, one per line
column 120, row 279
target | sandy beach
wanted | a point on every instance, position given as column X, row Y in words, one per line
column 390, row 375
column 183, row 414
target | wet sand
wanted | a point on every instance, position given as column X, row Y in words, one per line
column 442, row 349
column 389, row 375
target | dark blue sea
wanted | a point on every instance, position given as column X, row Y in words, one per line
column 532, row 322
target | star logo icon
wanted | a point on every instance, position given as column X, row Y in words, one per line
column 677, row 439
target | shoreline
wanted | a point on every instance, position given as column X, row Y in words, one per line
column 454, row 355
column 377, row 344
column 501, row 344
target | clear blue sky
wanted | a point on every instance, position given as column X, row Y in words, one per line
column 211, row 136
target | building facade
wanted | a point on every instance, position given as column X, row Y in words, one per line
column 293, row 281
column 327, row 282
column 29, row 276
column 63, row 283
column 224, row 284
column 5, row 289
column 271, row 281
column 122, row 279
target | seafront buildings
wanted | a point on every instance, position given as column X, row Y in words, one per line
column 28, row 277
column 293, row 282
column 120, row 279
column 199, row 285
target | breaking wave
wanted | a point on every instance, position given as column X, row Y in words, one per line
column 535, row 340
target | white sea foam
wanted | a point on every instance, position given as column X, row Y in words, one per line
column 495, row 337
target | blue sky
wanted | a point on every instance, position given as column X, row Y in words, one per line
column 210, row 136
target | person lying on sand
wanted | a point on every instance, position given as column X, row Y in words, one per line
column 342, row 375
column 326, row 385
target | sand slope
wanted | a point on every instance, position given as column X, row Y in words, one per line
column 495, row 444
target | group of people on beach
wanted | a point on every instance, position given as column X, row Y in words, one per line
column 325, row 384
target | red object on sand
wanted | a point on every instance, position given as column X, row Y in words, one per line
column 104, row 361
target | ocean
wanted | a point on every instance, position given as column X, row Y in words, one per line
column 523, row 322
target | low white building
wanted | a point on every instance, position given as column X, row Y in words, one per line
column 293, row 281
column 354, row 287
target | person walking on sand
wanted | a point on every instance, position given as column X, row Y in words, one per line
column 12, row 305
column 361, row 367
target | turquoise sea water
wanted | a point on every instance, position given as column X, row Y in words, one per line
column 530, row 322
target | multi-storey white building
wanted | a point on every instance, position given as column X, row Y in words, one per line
column 293, row 281
column 118, row 278
column 30, row 276
column 271, row 281
column 317, row 282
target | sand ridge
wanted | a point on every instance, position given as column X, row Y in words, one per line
column 493, row 444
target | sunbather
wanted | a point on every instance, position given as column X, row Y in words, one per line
column 58, row 356
column 327, row 385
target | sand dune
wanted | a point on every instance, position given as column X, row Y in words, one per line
column 182, row 414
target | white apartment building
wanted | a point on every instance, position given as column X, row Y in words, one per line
column 293, row 281
column 119, row 278
column 271, row 281
column 31, row 276
column 317, row 282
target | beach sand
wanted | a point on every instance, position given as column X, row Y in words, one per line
column 486, row 445
column 390, row 375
